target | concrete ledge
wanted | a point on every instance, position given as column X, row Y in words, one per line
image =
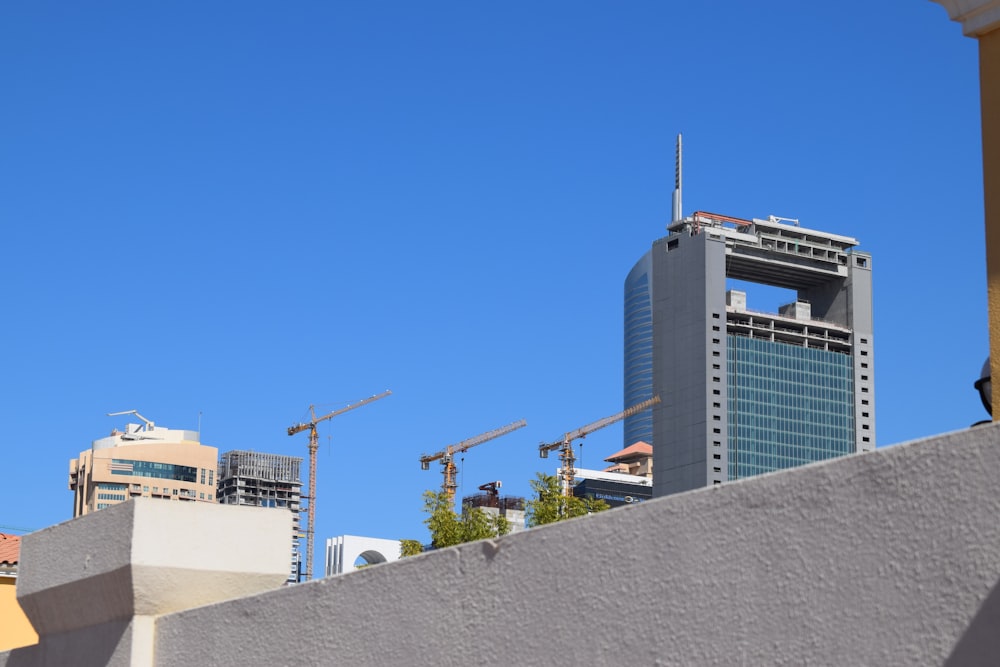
column 977, row 17
column 92, row 587
column 890, row 557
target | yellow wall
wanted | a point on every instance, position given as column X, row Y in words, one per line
column 15, row 630
column 989, row 85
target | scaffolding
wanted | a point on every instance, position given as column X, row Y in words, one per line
column 511, row 508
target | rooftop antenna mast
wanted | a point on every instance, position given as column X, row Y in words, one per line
column 678, row 182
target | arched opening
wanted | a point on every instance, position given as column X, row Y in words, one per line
column 370, row 557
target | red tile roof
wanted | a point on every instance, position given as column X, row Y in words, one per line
column 633, row 451
column 10, row 548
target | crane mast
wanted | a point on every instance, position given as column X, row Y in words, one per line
column 313, row 448
column 447, row 455
column 565, row 445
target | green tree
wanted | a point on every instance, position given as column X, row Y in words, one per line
column 550, row 505
column 410, row 548
column 448, row 528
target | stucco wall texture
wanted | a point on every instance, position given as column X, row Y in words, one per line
column 886, row 558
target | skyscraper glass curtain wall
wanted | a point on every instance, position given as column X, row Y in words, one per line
column 639, row 350
column 787, row 405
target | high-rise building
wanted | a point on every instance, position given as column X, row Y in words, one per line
column 143, row 460
column 257, row 479
column 745, row 391
column 639, row 350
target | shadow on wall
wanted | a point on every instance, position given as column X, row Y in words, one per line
column 103, row 647
column 980, row 643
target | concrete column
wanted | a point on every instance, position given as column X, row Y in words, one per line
column 989, row 86
column 94, row 587
column 981, row 19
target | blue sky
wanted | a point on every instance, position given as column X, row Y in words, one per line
column 241, row 209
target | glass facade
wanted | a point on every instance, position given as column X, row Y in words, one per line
column 639, row 351
column 787, row 405
column 152, row 469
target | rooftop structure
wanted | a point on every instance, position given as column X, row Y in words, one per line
column 144, row 460
column 490, row 501
column 15, row 629
column 344, row 552
column 628, row 480
column 10, row 547
column 257, row 479
column 636, row 459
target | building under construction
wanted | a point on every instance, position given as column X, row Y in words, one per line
column 490, row 501
column 256, row 479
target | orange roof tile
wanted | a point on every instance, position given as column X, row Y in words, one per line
column 635, row 450
column 10, row 548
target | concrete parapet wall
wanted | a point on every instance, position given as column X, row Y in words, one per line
column 886, row 558
column 94, row 586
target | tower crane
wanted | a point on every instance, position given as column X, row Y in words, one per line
column 313, row 448
column 447, row 455
column 565, row 445
column 492, row 489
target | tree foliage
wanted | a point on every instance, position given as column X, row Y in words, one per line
column 550, row 505
column 410, row 548
column 448, row 528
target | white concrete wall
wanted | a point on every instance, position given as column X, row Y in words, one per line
column 887, row 558
column 94, row 586
column 342, row 551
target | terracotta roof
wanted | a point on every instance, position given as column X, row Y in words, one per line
column 10, row 548
column 633, row 451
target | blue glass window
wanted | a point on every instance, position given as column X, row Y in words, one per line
column 787, row 405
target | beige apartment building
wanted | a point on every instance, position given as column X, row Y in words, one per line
column 144, row 460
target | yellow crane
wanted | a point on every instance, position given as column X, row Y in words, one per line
column 313, row 448
column 447, row 455
column 565, row 445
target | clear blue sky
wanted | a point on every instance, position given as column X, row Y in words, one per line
column 242, row 209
